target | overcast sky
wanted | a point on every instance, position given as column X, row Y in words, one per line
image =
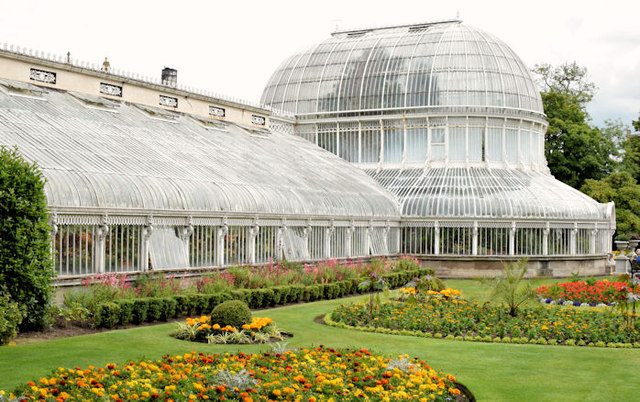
column 233, row 47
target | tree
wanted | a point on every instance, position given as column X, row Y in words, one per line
column 26, row 268
column 567, row 79
column 621, row 188
column 631, row 158
column 636, row 124
column 574, row 150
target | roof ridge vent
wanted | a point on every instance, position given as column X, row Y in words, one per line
column 418, row 26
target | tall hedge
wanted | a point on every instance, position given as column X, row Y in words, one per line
column 26, row 266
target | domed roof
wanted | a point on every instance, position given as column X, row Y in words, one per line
column 415, row 67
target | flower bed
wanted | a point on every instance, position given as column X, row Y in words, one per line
column 115, row 300
column 202, row 329
column 448, row 317
column 309, row 374
column 591, row 292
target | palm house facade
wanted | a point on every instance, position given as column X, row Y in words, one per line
column 448, row 119
column 421, row 139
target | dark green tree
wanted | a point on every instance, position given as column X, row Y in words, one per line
column 575, row 151
column 25, row 254
column 567, row 79
column 631, row 158
column 636, row 124
column 624, row 191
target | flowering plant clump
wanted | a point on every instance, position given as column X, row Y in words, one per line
column 202, row 329
column 412, row 294
column 318, row 374
column 452, row 317
column 594, row 293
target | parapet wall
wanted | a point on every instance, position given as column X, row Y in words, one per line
column 556, row 267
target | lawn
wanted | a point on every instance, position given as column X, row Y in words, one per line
column 492, row 371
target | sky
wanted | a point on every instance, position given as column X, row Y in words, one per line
column 233, row 47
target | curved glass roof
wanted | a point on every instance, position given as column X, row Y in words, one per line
column 422, row 66
column 487, row 193
column 146, row 160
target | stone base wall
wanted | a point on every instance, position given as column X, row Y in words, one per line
column 556, row 267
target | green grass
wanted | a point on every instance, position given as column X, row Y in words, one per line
column 494, row 372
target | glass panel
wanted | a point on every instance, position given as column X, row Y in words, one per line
column 393, row 144
column 416, row 144
column 476, row 139
column 457, row 144
column 511, row 139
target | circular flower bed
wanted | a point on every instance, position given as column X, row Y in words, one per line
column 445, row 316
column 318, row 374
column 588, row 292
column 202, row 329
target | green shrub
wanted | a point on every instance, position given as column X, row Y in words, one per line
column 296, row 293
column 140, row 307
column 127, row 307
column 312, row 293
column 185, row 304
column 241, row 294
column 233, row 312
column 107, row 315
column 169, row 306
column 155, row 306
column 11, row 316
column 280, row 294
column 26, row 267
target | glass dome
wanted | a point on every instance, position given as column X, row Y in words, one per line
column 429, row 66
column 450, row 121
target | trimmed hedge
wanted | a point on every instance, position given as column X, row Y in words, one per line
column 150, row 309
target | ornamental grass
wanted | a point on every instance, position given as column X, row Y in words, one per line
column 318, row 374
column 449, row 316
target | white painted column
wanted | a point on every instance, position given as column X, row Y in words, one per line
column 147, row 231
column 221, row 232
column 474, row 239
column 512, row 239
column 436, row 238
column 102, row 231
column 545, row 239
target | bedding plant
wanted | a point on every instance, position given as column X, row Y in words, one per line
column 229, row 322
column 589, row 291
column 445, row 314
column 312, row 374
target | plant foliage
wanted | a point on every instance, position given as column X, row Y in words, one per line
column 235, row 313
column 511, row 288
column 25, row 254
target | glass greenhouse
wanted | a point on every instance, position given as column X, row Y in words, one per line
column 133, row 185
column 449, row 120
column 420, row 139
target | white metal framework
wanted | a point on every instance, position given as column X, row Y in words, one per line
column 449, row 120
column 134, row 187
